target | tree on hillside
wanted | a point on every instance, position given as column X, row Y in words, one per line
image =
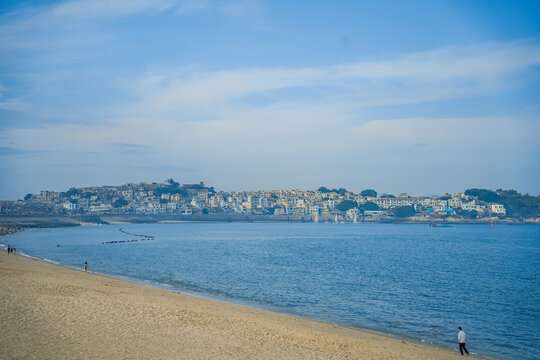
column 70, row 192
column 483, row 195
column 119, row 203
column 518, row 205
column 369, row 192
column 466, row 214
column 404, row 211
column 27, row 197
column 369, row 206
column 340, row 191
column 171, row 189
column 346, row 205
column 88, row 195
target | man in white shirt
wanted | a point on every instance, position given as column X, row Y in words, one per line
column 461, row 341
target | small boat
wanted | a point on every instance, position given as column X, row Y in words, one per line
column 439, row 225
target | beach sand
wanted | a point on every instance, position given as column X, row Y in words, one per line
column 52, row 312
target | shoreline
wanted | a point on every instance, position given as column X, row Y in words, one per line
column 292, row 337
column 6, row 230
column 22, row 223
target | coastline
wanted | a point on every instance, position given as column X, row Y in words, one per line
column 51, row 311
column 6, row 230
column 51, row 221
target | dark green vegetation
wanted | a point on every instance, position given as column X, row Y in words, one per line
column 483, row 195
column 369, row 206
column 369, row 192
column 517, row 205
column 346, row 205
column 466, row 213
column 404, row 211
column 340, row 191
column 119, row 203
column 171, row 189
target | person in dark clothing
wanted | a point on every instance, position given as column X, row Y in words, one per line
column 85, row 266
column 9, row 249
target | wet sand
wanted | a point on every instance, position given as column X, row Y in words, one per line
column 52, row 312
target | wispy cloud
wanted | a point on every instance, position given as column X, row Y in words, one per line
column 194, row 6
column 242, row 153
column 447, row 73
column 9, row 151
column 481, row 60
column 131, row 148
column 10, row 103
column 167, row 115
column 99, row 84
column 105, row 8
column 75, row 24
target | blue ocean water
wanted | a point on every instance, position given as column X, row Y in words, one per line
column 411, row 281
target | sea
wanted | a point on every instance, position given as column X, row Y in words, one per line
column 409, row 281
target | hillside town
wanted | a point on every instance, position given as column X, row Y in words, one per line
column 334, row 205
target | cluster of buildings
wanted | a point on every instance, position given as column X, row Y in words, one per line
column 197, row 199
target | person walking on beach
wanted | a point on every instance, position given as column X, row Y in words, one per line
column 461, row 341
column 9, row 249
column 85, row 266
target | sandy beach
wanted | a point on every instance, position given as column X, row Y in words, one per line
column 51, row 312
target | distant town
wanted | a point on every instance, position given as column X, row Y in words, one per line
column 175, row 201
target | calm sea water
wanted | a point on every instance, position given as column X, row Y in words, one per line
column 411, row 281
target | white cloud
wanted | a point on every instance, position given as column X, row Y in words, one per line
column 295, row 146
column 471, row 133
column 321, row 136
column 241, row 8
column 67, row 22
column 193, row 6
column 437, row 75
column 10, row 103
column 104, row 8
column 449, row 63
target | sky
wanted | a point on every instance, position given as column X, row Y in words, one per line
column 422, row 97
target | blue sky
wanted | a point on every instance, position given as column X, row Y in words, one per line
column 421, row 97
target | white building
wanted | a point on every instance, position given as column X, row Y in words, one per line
column 69, row 206
column 386, row 203
column 473, row 206
column 454, row 202
column 100, row 208
column 498, row 209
